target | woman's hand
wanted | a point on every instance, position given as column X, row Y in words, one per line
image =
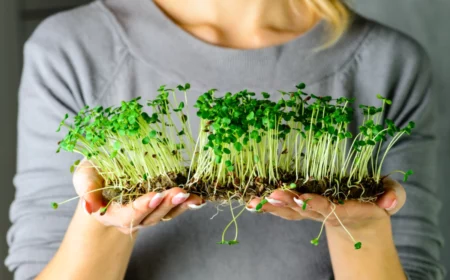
column 353, row 214
column 147, row 210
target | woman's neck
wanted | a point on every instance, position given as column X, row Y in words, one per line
column 240, row 24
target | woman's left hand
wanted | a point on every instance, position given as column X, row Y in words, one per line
column 353, row 214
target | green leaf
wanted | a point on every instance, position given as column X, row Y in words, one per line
column 181, row 133
column 72, row 169
column 218, row 159
column 305, row 203
column 251, row 116
column 113, row 154
column 132, row 119
column 187, row 86
column 226, row 121
column 116, row 145
column 261, row 204
column 226, row 151
column 228, row 242
column 76, row 162
column 292, row 186
column 407, row 174
column 153, row 134
column 301, row 86
column 146, row 140
column 380, row 97
column 238, row 146
column 340, row 201
column 228, row 163
column 265, row 94
column 358, row 245
column 388, row 101
column 55, row 205
column 254, row 134
column 103, row 210
column 315, row 242
column 230, row 168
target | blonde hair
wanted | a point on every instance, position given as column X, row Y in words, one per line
column 336, row 13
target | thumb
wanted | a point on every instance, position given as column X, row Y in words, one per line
column 86, row 180
column 394, row 197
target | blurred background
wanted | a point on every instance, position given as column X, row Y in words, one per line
column 427, row 21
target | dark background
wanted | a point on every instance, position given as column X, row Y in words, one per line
column 426, row 20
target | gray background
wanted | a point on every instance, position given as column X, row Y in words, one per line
column 426, row 20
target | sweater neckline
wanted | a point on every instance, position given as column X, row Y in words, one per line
column 306, row 41
column 152, row 37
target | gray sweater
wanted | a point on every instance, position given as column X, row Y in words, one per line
column 115, row 50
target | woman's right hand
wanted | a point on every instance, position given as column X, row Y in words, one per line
column 147, row 210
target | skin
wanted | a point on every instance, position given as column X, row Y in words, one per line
column 99, row 246
column 369, row 223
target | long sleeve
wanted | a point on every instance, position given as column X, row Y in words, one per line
column 69, row 62
column 48, row 91
column 415, row 227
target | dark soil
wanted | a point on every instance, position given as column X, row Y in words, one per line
column 366, row 189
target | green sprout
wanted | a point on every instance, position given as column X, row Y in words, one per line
column 305, row 203
column 248, row 145
column 261, row 204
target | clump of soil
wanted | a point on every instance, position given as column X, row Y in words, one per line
column 367, row 189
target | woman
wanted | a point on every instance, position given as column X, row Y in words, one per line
column 114, row 50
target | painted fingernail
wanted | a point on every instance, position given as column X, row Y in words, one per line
column 393, row 205
column 299, row 201
column 275, row 202
column 86, row 207
column 195, row 207
column 156, row 200
column 253, row 210
column 180, row 198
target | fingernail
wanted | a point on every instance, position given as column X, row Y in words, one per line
column 156, row 200
column 195, row 207
column 180, row 198
column 85, row 207
column 253, row 210
column 275, row 202
column 299, row 201
column 393, row 205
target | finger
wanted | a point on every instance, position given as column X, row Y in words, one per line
column 194, row 202
column 314, row 202
column 132, row 214
column 394, row 197
column 281, row 211
column 284, row 198
column 86, row 180
column 173, row 198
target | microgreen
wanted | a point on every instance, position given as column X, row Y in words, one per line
column 261, row 204
column 305, row 203
column 243, row 138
